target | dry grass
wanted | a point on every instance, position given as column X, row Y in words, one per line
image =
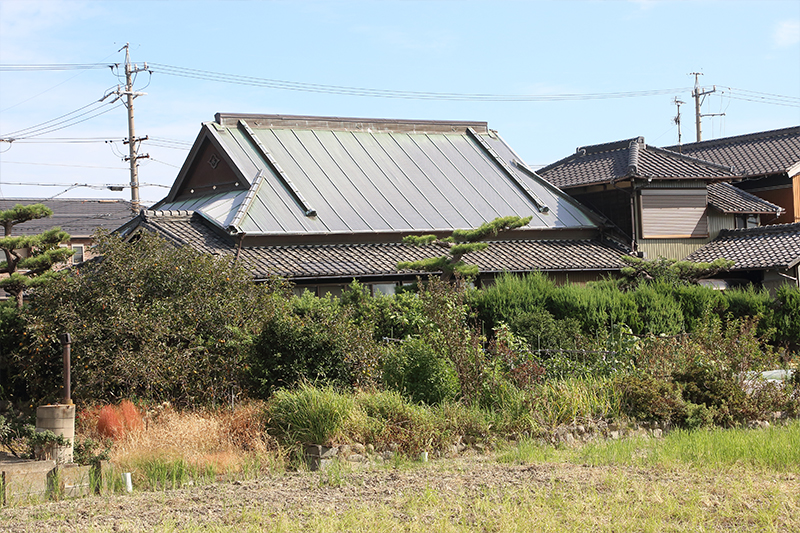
column 222, row 442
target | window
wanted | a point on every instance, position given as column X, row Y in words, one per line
column 77, row 257
column 746, row 221
column 674, row 213
column 383, row 289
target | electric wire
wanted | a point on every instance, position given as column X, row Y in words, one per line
column 388, row 93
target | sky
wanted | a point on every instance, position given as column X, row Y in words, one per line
column 548, row 76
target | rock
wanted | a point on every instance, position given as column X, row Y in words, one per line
column 657, row 433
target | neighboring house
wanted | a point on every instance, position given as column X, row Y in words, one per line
column 80, row 217
column 662, row 204
column 325, row 200
column 768, row 255
column 767, row 164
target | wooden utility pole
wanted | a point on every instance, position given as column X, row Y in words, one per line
column 132, row 141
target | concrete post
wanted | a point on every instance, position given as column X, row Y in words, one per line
column 60, row 419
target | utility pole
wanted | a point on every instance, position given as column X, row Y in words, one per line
column 677, row 120
column 697, row 93
column 132, row 141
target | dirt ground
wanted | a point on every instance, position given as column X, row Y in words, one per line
column 297, row 494
column 291, row 492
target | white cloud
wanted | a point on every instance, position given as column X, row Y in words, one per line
column 787, row 33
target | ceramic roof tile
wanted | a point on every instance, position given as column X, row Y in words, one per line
column 730, row 199
column 355, row 260
column 604, row 163
column 767, row 152
column 78, row 217
column 776, row 246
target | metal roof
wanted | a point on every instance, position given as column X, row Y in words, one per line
column 80, row 217
column 730, row 199
column 766, row 247
column 342, row 261
column 604, row 163
column 328, row 175
column 766, row 152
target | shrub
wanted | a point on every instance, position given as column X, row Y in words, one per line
column 149, row 321
column 644, row 397
column 659, row 312
column 414, row 369
column 787, row 316
column 718, row 390
column 313, row 339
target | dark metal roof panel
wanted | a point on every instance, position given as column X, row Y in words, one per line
column 761, row 248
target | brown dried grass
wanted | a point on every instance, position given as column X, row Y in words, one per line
column 223, row 440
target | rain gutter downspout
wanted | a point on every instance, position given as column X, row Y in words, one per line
column 239, row 247
column 633, row 165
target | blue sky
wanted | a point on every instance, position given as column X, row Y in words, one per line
column 749, row 49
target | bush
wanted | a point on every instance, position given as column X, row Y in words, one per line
column 644, row 397
column 786, row 319
column 313, row 339
column 415, row 370
column 718, row 390
column 148, row 321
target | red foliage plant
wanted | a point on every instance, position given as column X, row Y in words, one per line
column 116, row 421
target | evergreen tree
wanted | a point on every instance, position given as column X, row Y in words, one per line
column 28, row 259
column 460, row 243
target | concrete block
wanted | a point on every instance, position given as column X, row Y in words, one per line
column 74, row 480
column 24, row 481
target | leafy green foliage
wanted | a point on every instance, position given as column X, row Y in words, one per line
column 149, row 321
column 314, row 339
column 28, row 259
column 415, row 370
column 460, row 243
column 671, row 270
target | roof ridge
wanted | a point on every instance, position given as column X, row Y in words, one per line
column 738, row 138
column 761, row 230
column 167, row 213
column 678, row 155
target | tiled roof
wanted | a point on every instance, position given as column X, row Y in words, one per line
column 358, row 260
column 604, row 163
column 78, row 217
column 776, row 246
column 317, row 176
column 767, row 152
column 730, row 199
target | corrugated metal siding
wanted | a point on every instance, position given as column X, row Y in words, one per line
column 670, row 248
column 674, row 213
column 719, row 221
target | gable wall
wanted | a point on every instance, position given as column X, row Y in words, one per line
column 203, row 178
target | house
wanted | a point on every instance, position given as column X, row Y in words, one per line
column 325, row 200
column 662, row 203
column 767, row 164
column 80, row 217
column 768, row 255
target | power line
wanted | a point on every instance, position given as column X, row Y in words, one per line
column 53, row 66
column 97, row 186
column 387, row 93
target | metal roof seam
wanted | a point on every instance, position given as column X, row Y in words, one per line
column 501, row 196
column 383, row 171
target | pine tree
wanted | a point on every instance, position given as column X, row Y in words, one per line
column 29, row 258
column 460, row 243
